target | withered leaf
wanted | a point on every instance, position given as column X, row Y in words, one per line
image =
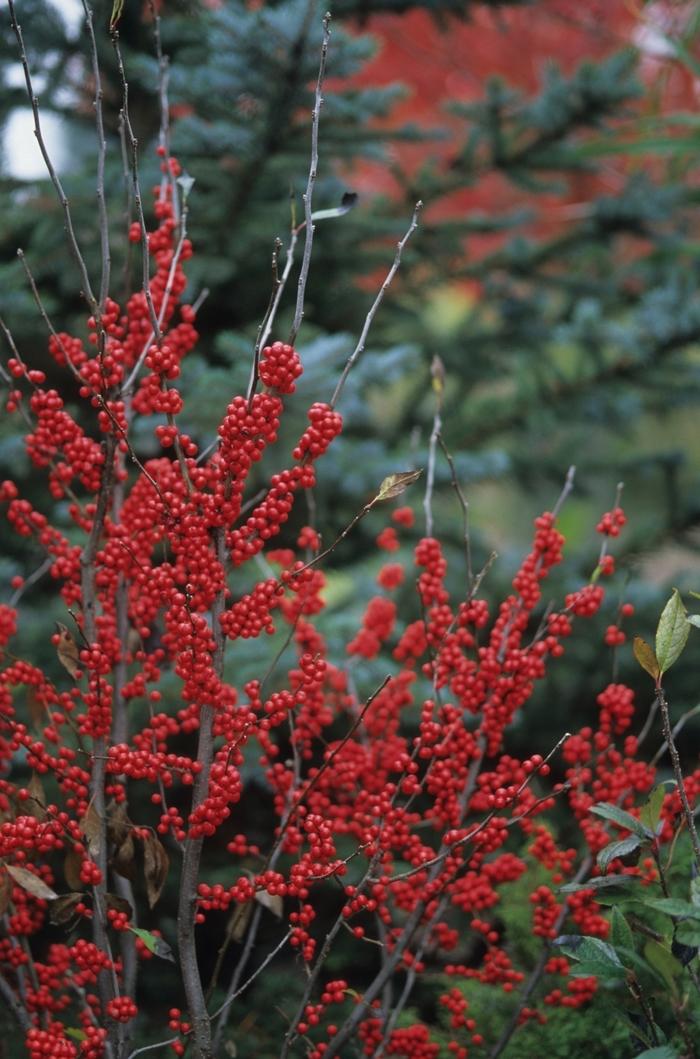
column 395, row 484
column 5, row 892
column 119, row 904
column 35, row 804
column 646, row 656
column 35, row 707
column 437, row 374
column 118, row 825
column 155, row 867
column 71, row 870
column 117, row 8
column 239, row 920
column 91, row 828
column 67, row 649
column 133, row 640
column 273, row 902
column 123, row 860
column 31, row 883
column 63, row 908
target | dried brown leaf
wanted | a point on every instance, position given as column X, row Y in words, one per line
column 35, row 804
column 646, row 656
column 118, row 823
column 155, row 867
column 437, row 374
column 63, row 908
column 91, row 827
column 273, row 902
column 67, row 649
column 395, row 484
column 240, row 918
column 71, row 870
column 119, row 904
column 123, row 860
column 35, row 708
column 5, row 892
column 31, row 883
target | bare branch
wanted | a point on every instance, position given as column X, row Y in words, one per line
column 101, row 155
column 55, row 180
column 359, row 348
column 308, row 223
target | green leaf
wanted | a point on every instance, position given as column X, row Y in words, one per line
column 617, row 849
column 599, row 883
column 75, row 1033
column 688, row 933
column 599, row 969
column 665, row 1051
column 644, row 654
column 621, row 934
column 662, row 960
column 619, row 816
column 673, row 906
column 154, row 944
column 651, row 810
column 672, row 632
column 693, row 619
column 588, row 950
column 695, row 891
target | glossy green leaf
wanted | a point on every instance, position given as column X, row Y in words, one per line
column 599, row 883
column 672, row 632
column 617, row 849
column 598, row 969
column 673, row 906
column 651, row 810
column 621, row 935
column 664, row 1051
column 588, row 950
column 662, row 960
column 624, row 819
column 154, row 944
column 688, row 933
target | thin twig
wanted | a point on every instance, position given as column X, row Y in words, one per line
column 678, row 772
column 101, row 156
column 55, row 180
column 307, row 197
column 133, row 147
column 264, row 326
column 437, row 372
column 464, row 505
column 222, row 1011
column 677, row 728
column 359, row 348
column 566, row 490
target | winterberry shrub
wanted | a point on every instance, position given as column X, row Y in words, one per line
column 360, row 840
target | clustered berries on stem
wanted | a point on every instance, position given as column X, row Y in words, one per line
column 414, row 778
